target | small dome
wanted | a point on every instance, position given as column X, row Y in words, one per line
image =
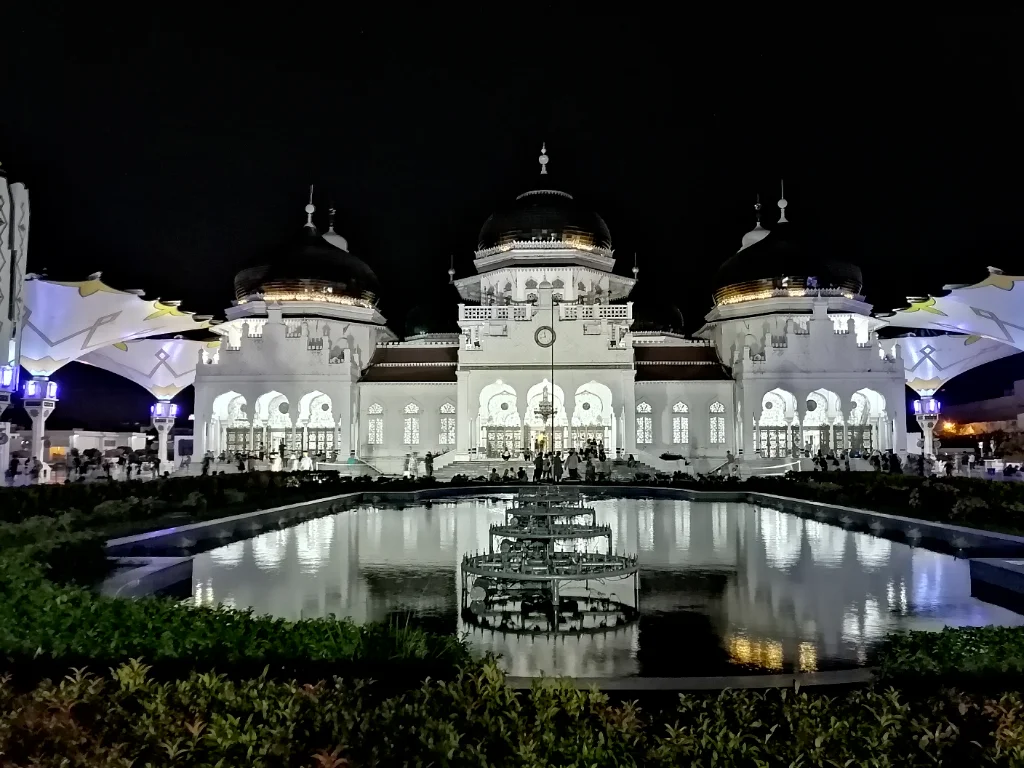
column 755, row 235
column 777, row 259
column 545, row 215
column 310, row 269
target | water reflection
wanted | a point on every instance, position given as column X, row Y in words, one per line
column 722, row 585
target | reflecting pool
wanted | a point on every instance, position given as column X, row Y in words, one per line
column 725, row 588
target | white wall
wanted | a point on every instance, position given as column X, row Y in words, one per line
column 698, row 396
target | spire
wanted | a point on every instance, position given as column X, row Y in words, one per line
column 782, row 204
column 543, row 159
column 330, row 220
column 451, row 270
column 636, row 269
column 310, row 208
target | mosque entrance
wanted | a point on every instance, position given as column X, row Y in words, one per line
column 539, row 439
column 776, row 442
column 236, row 440
column 581, row 436
column 319, row 440
column 861, row 438
column 501, row 438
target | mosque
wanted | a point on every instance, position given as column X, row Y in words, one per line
column 789, row 360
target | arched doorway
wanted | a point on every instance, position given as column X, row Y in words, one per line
column 823, row 422
column 500, row 425
column 866, row 425
column 231, row 429
column 778, row 430
column 546, row 434
column 592, row 416
column 273, row 421
column 316, row 418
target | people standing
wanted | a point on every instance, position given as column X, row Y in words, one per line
column 572, row 463
column 556, row 466
column 538, row 466
column 428, row 464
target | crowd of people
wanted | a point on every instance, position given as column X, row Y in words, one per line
column 589, row 463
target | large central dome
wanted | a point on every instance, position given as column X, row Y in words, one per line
column 545, row 215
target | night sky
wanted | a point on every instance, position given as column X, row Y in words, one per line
column 168, row 149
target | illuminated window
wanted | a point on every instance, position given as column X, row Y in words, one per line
column 717, row 423
column 447, row 436
column 680, row 424
column 375, row 424
column 644, row 424
column 411, row 434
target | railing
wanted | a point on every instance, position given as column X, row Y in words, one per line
column 594, row 312
column 497, row 312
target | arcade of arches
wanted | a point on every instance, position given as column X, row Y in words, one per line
column 541, row 420
column 783, row 429
column 271, row 425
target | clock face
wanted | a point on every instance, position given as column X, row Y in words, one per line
column 545, row 336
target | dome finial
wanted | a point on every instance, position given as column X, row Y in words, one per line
column 757, row 209
column 451, row 269
column 636, row 269
column 543, row 159
column 782, row 203
column 330, row 220
column 310, row 208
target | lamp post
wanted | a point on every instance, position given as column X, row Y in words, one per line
column 163, row 415
column 927, row 411
column 39, row 401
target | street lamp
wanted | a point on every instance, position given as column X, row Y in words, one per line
column 927, row 411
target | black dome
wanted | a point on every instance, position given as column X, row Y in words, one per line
column 545, row 215
column 310, row 266
column 780, row 260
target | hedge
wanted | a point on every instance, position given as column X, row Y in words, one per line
column 128, row 718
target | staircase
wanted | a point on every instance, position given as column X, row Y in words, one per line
column 479, row 467
column 483, row 468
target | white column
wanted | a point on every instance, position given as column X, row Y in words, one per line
column 464, row 420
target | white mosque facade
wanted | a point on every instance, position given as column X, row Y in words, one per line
column 786, row 361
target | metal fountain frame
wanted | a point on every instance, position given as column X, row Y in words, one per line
column 518, row 586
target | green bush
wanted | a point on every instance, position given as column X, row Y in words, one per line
column 973, row 655
column 43, row 623
column 974, row 502
column 130, row 718
column 136, row 499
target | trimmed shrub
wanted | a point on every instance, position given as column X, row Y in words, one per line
column 477, row 720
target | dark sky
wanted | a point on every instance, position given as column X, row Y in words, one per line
column 168, row 148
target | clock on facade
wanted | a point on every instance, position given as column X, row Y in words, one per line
column 545, row 336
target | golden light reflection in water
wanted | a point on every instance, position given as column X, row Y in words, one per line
column 762, row 653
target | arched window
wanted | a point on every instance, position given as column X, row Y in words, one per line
column 680, row 424
column 411, row 433
column 717, row 423
column 644, row 424
column 447, row 436
column 375, row 424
